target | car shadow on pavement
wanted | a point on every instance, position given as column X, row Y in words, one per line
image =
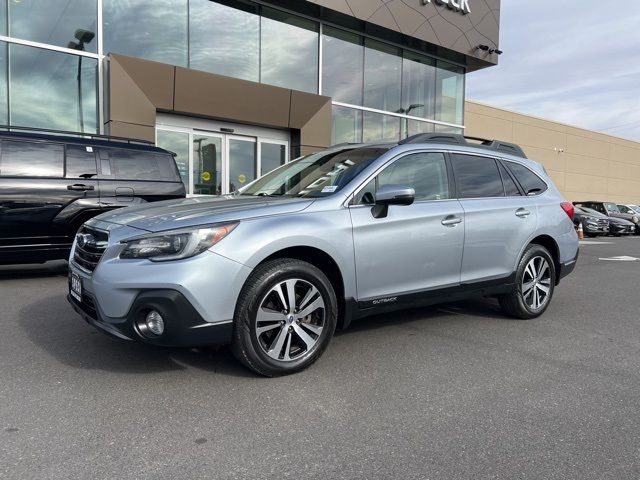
column 49, row 269
column 51, row 324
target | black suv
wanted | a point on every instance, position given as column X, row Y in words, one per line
column 52, row 182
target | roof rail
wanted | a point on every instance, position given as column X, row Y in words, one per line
column 499, row 145
column 92, row 136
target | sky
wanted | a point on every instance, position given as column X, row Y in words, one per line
column 573, row 61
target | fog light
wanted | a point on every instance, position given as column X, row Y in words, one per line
column 154, row 323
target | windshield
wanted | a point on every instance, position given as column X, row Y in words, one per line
column 317, row 175
column 635, row 208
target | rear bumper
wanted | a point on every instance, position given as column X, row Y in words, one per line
column 566, row 268
column 184, row 327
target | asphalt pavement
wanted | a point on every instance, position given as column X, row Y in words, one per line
column 450, row 392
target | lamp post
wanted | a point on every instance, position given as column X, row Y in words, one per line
column 83, row 37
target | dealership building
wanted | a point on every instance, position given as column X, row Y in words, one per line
column 237, row 87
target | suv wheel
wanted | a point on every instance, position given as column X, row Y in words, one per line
column 535, row 282
column 285, row 317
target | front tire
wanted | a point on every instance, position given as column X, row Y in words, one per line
column 535, row 284
column 285, row 317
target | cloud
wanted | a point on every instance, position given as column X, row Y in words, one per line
column 573, row 61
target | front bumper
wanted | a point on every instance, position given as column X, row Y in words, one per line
column 184, row 327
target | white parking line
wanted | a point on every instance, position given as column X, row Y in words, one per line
column 592, row 242
column 621, row 259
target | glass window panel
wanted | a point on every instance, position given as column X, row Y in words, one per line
column 207, row 165
column 426, row 173
column 178, row 143
column 225, row 40
column 382, row 76
column 289, row 56
column 3, row 17
column 510, row 187
column 477, row 177
column 342, row 66
column 414, row 127
column 153, row 30
column 272, row 156
column 30, row 159
column 418, row 85
column 380, row 128
column 80, row 162
column 449, row 93
column 46, row 91
column 347, row 125
column 447, row 129
column 136, row 165
column 56, row 22
column 530, row 182
column 4, row 111
column 242, row 163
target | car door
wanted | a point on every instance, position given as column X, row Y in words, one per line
column 497, row 226
column 34, row 192
column 416, row 247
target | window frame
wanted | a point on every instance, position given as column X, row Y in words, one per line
column 349, row 202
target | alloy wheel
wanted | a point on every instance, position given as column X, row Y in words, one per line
column 536, row 283
column 290, row 320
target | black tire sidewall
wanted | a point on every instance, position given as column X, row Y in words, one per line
column 257, row 288
column 531, row 252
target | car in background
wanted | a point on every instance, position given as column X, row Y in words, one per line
column 629, row 209
column 593, row 223
column 52, row 182
column 617, row 226
column 611, row 209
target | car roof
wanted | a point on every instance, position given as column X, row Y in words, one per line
column 84, row 140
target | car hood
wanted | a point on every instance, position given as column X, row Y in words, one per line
column 620, row 221
column 173, row 214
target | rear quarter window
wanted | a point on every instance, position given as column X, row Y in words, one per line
column 123, row 164
column 31, row 159
column 531, row 183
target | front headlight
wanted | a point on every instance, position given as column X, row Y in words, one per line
column 176, row 244
column 635, row 219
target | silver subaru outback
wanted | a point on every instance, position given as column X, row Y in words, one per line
column 276, row 267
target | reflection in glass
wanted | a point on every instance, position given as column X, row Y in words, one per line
column 272, row 155
column 289, row 55
column 178, row 143
column 224, row 40
column 54, row 22
column 380, row 128
column 342, row 66
column 418, row 85
column 414, row 127
column 242, row 163
column 382, row 76
column 347, row 125
column 46, row 89
column 29, row 159
column 4, row 107
column 449, row 93
column 446, row 129
column 207, row 165
column 153, row 30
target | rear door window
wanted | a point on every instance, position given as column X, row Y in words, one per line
column 476, row 177
column 81, row 162
column 123, row 164
column 531, row 183
column 31, row 159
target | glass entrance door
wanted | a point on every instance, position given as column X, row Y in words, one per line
column 215, row 163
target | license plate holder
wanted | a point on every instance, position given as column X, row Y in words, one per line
column 75, row 287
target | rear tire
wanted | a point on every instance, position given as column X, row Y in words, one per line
column 285, row 317
column 535, row 284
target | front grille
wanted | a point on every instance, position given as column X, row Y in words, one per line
column 90, row 246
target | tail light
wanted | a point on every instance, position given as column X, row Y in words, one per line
column 568, row 209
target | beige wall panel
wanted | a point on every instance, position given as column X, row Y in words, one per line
column 550, row 159
column 586, row 165
column 623, row 188
column 625, row 154
column 558, row 178
column 583, row 145
column 131, row 130
column 623, row 171
column 127, row 101
column 155, row 79
column 488, row 127
column 207, row 94
column 527, row 135
column 587, row 183
column 489, row 111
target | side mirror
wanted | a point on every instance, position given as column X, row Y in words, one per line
column 392, row 195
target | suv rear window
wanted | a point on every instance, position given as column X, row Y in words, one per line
column 125, row 164
column 31, row 159
column 530, row 182
column 477, row 177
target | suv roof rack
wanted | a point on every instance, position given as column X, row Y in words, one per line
column 92, row 136
column 499, row 145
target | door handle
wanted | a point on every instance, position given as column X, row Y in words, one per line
column 522, row 213
column 451, row 221
column 80, row 187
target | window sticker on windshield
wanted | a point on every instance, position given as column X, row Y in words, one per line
column 90, row 149
column 330, row 189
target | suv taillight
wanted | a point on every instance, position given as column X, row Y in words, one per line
column 568, row 209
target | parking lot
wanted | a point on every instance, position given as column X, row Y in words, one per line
column 455, row 391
